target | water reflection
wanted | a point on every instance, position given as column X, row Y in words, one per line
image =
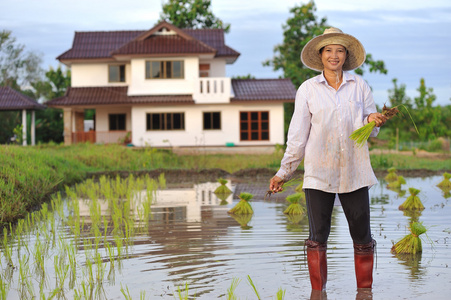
column 412, row 263
column 189, row 238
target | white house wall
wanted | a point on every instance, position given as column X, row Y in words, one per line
column 194, row 135
column 92, row 75
column 142, row 86
column 102, row 113
column 217, row 67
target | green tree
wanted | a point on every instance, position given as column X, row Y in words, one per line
column 49, row 122
column 191, row 14
column 426, row 97
column 401, row 123
column 17, row 67
column 298, row 31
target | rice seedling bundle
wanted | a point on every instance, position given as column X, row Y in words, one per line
column 411, row 243
column 391, row 176
column 361, row 135
column 222, row 189
column 295, row 207
column 445, row 183
column 243, row 207
column 397, row 184
column 412, row 202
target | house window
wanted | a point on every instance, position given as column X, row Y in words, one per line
column 117, row 121
column 165, row 121
column 116, row 73
column 204, row 70
column 164, row 69
column 254, row 126
column 212, row 120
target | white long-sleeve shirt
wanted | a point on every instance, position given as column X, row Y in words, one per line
column 322, row 122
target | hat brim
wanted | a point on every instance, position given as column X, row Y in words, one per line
column 356, row 52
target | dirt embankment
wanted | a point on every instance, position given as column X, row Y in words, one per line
column 187, row 177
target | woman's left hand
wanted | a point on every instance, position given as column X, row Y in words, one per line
column 378, row 118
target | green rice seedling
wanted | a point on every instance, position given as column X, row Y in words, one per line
column 162, row 181
column 251, row 283
column 445, row 183
column 396, row 184
column 299, row 189
column 412, row 202
column 290, row 183
column 411, row 243
column 25, row 286
column 391, row 176
column 231, row 290
column 295, row 207
column 126, row 292
column 280, row 294
column 4, row 288
column 222, row 189
column 183, row 295
column 361, row 135
column 243, row 206
column 7, row 248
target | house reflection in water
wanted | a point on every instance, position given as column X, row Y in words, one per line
column 184, row 204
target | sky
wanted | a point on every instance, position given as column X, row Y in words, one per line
column 412, row 37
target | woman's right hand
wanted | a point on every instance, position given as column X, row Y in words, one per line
column 275, row 184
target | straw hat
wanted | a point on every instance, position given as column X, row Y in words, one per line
column 356, row 53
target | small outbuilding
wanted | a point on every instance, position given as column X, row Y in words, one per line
column 12, row 100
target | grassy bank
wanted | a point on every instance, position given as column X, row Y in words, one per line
column 30, row 174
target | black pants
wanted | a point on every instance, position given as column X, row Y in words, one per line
column 355, row 206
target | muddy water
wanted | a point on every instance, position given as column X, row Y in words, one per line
column 191, row 239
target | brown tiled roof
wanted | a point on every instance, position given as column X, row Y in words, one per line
column 263, row 89
column 213, row 38
column 111, row 96
column 170, row 44
column 11, row 99
column 97, row 44
column 105, row 44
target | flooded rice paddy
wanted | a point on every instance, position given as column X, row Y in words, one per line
column 147, row 240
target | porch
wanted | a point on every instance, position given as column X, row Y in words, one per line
column 102, row 137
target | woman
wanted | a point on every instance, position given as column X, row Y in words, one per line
column 328, row 108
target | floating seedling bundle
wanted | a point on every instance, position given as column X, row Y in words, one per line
column 411, row 243
column 361, row 135
column 445, row 183
column 222, row 189
column 397, row 184
column 391, row 176
column 412, row 202
column 243, row 207
column 295, row 207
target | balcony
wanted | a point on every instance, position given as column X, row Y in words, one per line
column 212, row 90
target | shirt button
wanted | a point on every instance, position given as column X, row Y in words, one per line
column 342, row 150
column 341, row 134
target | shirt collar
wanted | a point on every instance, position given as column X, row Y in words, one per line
column 346, row 77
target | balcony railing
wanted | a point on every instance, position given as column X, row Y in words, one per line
column 102, row 137
column 212, row 90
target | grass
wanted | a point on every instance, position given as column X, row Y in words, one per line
column 29, row 175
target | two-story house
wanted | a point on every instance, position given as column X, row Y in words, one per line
column 167, row 87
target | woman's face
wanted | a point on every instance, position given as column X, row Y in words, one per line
column 333, row 57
